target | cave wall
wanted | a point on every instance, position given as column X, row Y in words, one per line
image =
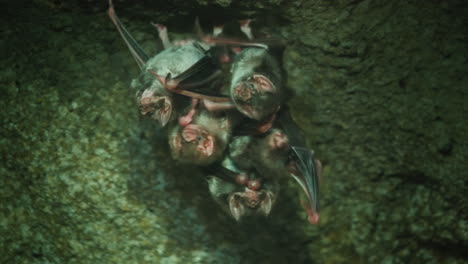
column 380, row 92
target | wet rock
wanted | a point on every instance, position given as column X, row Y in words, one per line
column 381, row 95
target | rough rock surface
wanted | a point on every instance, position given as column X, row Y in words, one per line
column 382, row 92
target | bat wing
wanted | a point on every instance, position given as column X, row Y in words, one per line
column 306, row 172
column 200, row 77
column 138, row 53
column 200, row 81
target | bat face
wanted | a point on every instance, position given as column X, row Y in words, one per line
column 256, row 97
column 154, row 100
column 194, row 144
column 250, row 202
column 253, row 198
column 157, row 107
column 201, row 142
column 256, row 83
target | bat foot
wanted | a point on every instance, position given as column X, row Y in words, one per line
column 312, row 216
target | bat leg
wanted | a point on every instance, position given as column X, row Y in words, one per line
column 246, row 29
column 162, row 32
column 188, row 118
column 168, row 83
column 209, row 40
column 138, row 53
column 218, row 106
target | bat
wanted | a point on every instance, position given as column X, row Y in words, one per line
column 157, row 95
column 282, row 153
column 203, row 140
column 241, row 193
column 175, row 70
column 256, row 89
column 256, row 86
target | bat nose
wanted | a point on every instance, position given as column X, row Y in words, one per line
column 243, row 93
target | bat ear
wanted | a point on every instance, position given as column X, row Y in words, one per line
column 267, row 204
column 236, row 207
column 163, row 114
column 207, row 146
column 263, row 83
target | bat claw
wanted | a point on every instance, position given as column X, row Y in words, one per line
column 312, row 216
column 188, row 118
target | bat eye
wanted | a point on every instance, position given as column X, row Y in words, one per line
column 252, row 88
column 160, row 104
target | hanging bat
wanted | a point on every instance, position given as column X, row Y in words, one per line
column 202, row 141
column 175, row 70
column 256, row 86
column 257, row 81
column 282, row 153
column 256, row 89
column 241, row 193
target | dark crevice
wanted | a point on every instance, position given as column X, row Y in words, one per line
column 447, row 248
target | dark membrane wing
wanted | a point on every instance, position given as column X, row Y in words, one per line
column 138, row 53
column 306, row 165
column 200, row 77
column 302, row 157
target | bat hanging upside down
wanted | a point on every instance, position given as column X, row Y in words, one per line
column 241, row 193
column 275, row 155
column 205, row 107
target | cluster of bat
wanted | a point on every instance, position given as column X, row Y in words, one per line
column 224, row 104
